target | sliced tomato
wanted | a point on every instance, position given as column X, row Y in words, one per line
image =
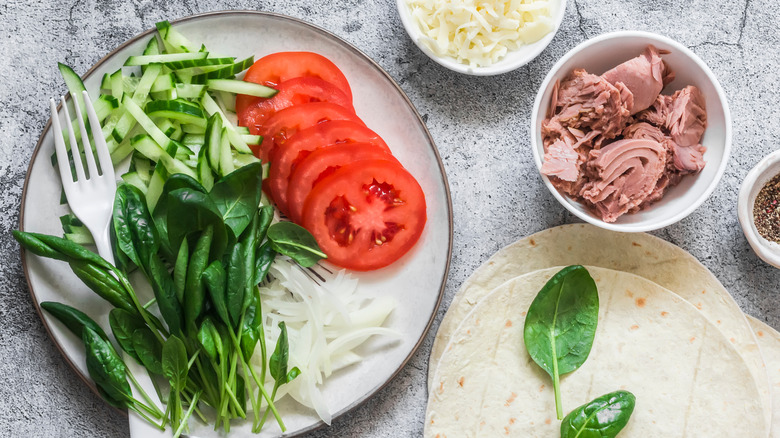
column 273, row 69
column 366, row 215
column 285, row 123
column 293, row 92
column 321, row 163
column 299, row 146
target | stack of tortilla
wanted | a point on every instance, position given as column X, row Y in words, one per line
column 668, row 331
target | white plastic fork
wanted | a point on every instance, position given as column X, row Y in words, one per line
column 91, row 197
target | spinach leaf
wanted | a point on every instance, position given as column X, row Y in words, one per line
column 123, row 325
column 236, row 283
column 174, row 362
column 160, row 214
column 295, row 242
column 148, row 349
column 136, row 235
column 266, row 216
column 180, row 270
column 277, row 365
column 58, row 248
column 194, row 289
column 237, row 196
column 604, row 417
column 106, row 367
column 206, row 338
column 214, row 277
column 165, row 293
column 189, row 211
column 103, row 283
column 561, row 324
column 265, row 257
column 251, row 329
column 74, row 319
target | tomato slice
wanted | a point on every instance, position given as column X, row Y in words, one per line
column 293, row 92
column 366, row 215
column 282, row 125
column 299, row 146
column 321, row 163
column 273, row 69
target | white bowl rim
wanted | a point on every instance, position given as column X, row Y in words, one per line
column 492, row 70
column 745, row 214
column 647, row 225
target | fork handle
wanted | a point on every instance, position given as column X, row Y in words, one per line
column 103, row 243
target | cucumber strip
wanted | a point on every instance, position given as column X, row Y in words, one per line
column 134, row 110
column 252, row 139
column 205, row 176
column 155, row 187
column 75, row 87
column 190, row 91
column 104, row 105
column 143, row 167
column 74, row 230
column 192, row 129
column 243, row 130
column 203, row 62
column 179, row 110
column 225, row 157
column 164, row 58
column 165, row 125
column 240, row 87
column 177, row 133
column 193, row 139
column 212, row 108
column 212, row 141
column 121, row 151
column 226, row 72
column 146, row 145
column 152, row 48
column 241, row 160
column 164, row 82
column 141, row 93
column 117, row 84
column 173, row 40
column 226, row 101
column 134, row 179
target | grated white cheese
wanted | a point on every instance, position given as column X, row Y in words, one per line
column 480, row 33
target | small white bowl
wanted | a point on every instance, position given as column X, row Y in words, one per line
column 600, row 54
column 765, row 170
column 512, row 61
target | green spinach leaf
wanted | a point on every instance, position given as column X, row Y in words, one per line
column 561, row 324
column 189, row 211
column 148, row 349
column 106, row 367
column 74, row 319
column 265, row 257
column 215, row 278
column 174, row 362
column 136, row 235
column 194, row 289
column 180, row 270
column 123, row 325
column 604, row 417
column 165, row 293
column 237, row 196
column 236, row 283
column 295, row 242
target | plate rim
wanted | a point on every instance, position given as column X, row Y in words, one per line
column 328, row 34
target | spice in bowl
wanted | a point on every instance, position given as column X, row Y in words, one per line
column 766, row 210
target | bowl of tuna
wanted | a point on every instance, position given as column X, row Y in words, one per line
column 631, row 131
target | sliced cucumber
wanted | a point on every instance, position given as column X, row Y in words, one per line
column 164, row 58
column 212, row 108
column 226, row 72
column 202, row 62
column 179, row 110
column 240, row 87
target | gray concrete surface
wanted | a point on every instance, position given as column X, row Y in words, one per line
column 480, row 126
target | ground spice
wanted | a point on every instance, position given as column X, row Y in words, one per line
column 766, row 210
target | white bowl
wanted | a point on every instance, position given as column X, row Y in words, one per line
column 513, row 59
column 765, row 170
column 600, row 54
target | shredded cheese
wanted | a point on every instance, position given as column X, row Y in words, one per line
column 481, row 32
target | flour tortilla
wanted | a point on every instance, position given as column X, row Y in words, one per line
column 769, row 341
column 642, row 254
column 688, row 378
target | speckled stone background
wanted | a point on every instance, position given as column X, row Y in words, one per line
column 481, row 129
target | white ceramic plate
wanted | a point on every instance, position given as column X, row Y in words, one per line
column 416, row 281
